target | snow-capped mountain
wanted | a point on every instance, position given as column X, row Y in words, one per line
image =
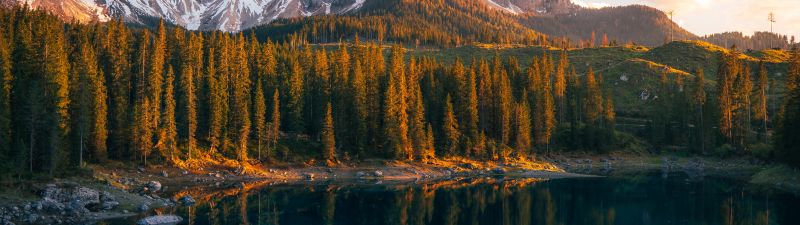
column 540, row 7
column 69, row 10
column 224, row 15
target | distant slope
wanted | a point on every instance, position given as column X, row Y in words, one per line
column 427, row 22
column 639, row 24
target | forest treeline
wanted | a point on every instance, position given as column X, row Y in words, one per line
column 92, row 93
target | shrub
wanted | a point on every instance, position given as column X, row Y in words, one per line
column 724, row 150
column 762, row 151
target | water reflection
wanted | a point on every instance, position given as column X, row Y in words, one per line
column 645, row 199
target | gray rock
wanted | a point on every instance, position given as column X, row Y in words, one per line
column 154, row 186
column 160, row 220
column 184, row 172
column 143, row 208
column 187, row 200
column 141, row 169
column 107, row 197
column 361, row 174
column 52, row 206
column 109, row 205
column 499, row 170
column 164, row 173
column 76, row 207
column 85, row 196
column 31, row 218
column 378, row 173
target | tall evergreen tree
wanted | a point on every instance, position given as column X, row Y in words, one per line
column 259, row 118
column 116, row 63
column 450, row 130
column 328, row 137
column 168, row 130
column 395, row 111
column 88, row 109
column 275, row 126
column 522, row 135
column 6, row 79
column 699, row 98
column 760, row 112
column 787, row 143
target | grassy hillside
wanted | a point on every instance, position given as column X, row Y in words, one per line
column 629, row 71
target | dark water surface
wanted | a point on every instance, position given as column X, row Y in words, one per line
column 648, row 198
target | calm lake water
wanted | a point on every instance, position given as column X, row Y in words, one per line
column 647, row 198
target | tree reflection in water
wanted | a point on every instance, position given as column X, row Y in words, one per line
column 641, row 199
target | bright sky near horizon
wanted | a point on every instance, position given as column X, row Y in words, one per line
column 703, row 17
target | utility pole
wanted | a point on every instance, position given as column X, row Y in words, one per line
column 771, row 19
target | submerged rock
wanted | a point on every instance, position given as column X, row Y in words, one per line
column 187, row 200
column 153, row 186
column 378, row 173
column 160, row 220
column 499, row 170
column 144, row 208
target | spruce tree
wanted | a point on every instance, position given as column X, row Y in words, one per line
column 699, row 102
column 395, row 110
column 275, row 118
column 760, row 113
column 116, row 63
column 450, row 130
column 787, row 143
column 6, row 79
column 328, row 137
column 522, row 135
column 168, row 130
column 594, row 99
column 259, row 118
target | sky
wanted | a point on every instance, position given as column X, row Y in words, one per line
column 703, row 17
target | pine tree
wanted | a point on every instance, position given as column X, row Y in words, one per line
column 609, row 115
column 189, row 109
column 522, row 135
column 259, row 118
column 594, row 99
column 470, row 111
column 417, row 122
column 787, row 143
column 88, row 107
column 358, row 84
column 450, row 130
column 240, row 96
column 294, row 95
column 727, row 73
column 395, row 110
column 117, row 66
column 743, row 89
column 328, row 137
column 6, row 79
column 699, row 101
column 275, row 127
column 560, row 85
column 760, row 113
column 168, row 130
column 54, row 70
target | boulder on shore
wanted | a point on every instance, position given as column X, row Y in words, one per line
column 160, row 220
column 153, row 186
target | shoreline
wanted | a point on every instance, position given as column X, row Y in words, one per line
column 129, row 185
